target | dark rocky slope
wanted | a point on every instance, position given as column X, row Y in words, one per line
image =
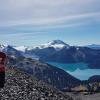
column 21, row 86
column 95, row 78
column 49, row 74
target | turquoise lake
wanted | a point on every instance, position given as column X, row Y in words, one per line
column 78, row 70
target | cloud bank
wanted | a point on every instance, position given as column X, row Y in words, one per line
column 48, row 13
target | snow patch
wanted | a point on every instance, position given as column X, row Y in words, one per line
column 57, row 44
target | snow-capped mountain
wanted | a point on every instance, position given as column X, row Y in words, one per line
column 24, row 51
column 57, row 44
column 93, row 46
column 2, row 47
column 23, row 48
column 20, row 48
column 14, row 51
column 9, row 50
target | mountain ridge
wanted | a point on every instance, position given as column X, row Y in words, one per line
column 64, row 54
column 23, row 47
column 49, row 74
column 94, row 46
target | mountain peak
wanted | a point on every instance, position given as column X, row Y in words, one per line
column 57, row 44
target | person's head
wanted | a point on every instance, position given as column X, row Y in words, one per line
column 2, row 57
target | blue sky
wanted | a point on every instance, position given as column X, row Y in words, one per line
column 34, row 22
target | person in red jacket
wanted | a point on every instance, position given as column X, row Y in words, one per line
column 2, row 69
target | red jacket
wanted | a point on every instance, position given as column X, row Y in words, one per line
column 2, row 68
column 2, row 63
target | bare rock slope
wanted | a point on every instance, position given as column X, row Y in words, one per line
column 21, row 86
